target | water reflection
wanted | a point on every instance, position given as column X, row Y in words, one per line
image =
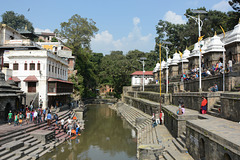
column 106, row 136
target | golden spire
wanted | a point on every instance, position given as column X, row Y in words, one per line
column 186, row 48
column 239, row 21
column 25, row 27
column 215, row 33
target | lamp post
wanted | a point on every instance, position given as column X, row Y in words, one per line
column 143, row 63
column 167, row 51
column 200, row 24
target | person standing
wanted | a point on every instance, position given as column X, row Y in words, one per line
column 16, row 119
column 49, row 119
column 27, row 116
column 204, row 105
column 10, row 117
column 35, row 115
column 157, row 118
column 20, row 118
column 230, row 65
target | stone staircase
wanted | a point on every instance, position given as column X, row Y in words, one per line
column 147, row 135
column 216, row 110
column 21, row 145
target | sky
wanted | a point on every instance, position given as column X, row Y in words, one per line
column 123, row 24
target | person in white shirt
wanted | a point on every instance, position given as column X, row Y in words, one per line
column 35, row 116
column 62, row 123
column 230, row 65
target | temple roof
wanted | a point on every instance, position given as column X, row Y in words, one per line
column 215, row 45
column 176, row 58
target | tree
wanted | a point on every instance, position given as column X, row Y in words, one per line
column 78, row 32
column 16, row 21
column 54, row 39
column 235, row 4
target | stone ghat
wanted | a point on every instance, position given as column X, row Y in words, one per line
column 204, row 136
column 152, row 143
column 213, row 138
column 31, row 141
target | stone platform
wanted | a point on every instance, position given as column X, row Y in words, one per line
column 43, row 135
column 213, row 138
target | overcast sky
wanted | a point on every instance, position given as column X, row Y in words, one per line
column 123, row 24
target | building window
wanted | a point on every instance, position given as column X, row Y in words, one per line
column 55, row 69
column 32, row 87
column 58, row 70
column 32, row 66
column 38, row 66
column 15, row 66
column 52, row 68
column 25, row 66
column 49, row 68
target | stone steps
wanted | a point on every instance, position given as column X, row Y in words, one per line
column 167, row 156
column 24, row 146
column 179, row 146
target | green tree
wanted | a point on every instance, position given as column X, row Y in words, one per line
column 54, row 39
column 16, row 21
column 77, row 33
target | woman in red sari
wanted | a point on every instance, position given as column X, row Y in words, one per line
column 204, row 105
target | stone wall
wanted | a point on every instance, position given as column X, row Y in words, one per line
column 202, row 144
column 176, row 124
column 231, row 80
column 7, row 103
column 144, row 106
column 153, row 96
column 193, row 100
column 230, row 106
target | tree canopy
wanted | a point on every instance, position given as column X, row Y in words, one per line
column 77, row 31
column 77, row 34
column 16, row 21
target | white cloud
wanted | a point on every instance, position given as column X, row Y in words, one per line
column 42, row 30
column 222, row 6
column 104, row 42
column 172, row 17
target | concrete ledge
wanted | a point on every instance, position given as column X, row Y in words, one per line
column 176, row 124
column 223, row 135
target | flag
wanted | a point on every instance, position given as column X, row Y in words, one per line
column 180, row 54
column 200, row 38
column 222, row 31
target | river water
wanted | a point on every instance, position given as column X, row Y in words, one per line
column 106, row 137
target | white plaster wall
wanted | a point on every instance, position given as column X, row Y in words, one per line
column 137, row 80
column 37, row 56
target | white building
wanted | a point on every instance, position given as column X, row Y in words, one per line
column 137, row 77
column 40, row 74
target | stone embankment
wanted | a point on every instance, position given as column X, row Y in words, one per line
column 152, row 143
column 30, row 141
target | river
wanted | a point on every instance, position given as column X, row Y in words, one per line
column 106, row 137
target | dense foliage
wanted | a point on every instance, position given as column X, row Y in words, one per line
column 77, row 34
column 16, row 21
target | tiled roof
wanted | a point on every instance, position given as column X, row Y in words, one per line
column 14, row 78
column 150, row 73
column 58, row 80
column 31, row 79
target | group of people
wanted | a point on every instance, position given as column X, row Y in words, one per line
column 30, row 115
column 218, row 68
column 157, row 119
column 73, row 127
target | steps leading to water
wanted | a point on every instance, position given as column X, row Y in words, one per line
column 21, row 145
